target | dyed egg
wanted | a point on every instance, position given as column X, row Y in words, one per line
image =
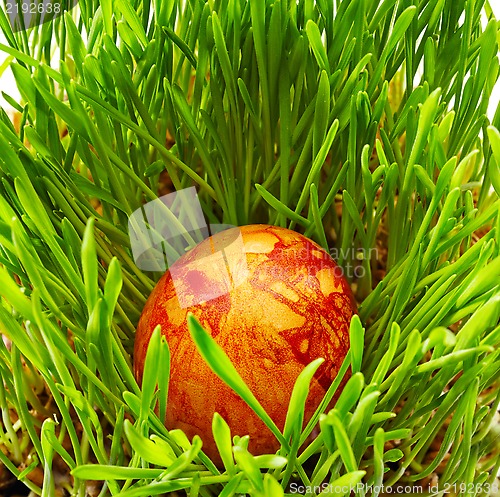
column 274, row 301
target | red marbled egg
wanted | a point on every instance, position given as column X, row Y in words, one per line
column 282, row 302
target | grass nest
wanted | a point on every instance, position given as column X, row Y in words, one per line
column 363, row 124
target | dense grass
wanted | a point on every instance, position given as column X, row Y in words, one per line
column 362, row 124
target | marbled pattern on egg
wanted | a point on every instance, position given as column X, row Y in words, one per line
column 291, row 307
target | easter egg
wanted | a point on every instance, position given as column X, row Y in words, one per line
column 274, row 301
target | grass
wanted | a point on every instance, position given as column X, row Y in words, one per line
column 362, row 124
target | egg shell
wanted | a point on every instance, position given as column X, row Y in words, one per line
column 282, row 303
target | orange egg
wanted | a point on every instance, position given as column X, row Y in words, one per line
column 274, row 301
